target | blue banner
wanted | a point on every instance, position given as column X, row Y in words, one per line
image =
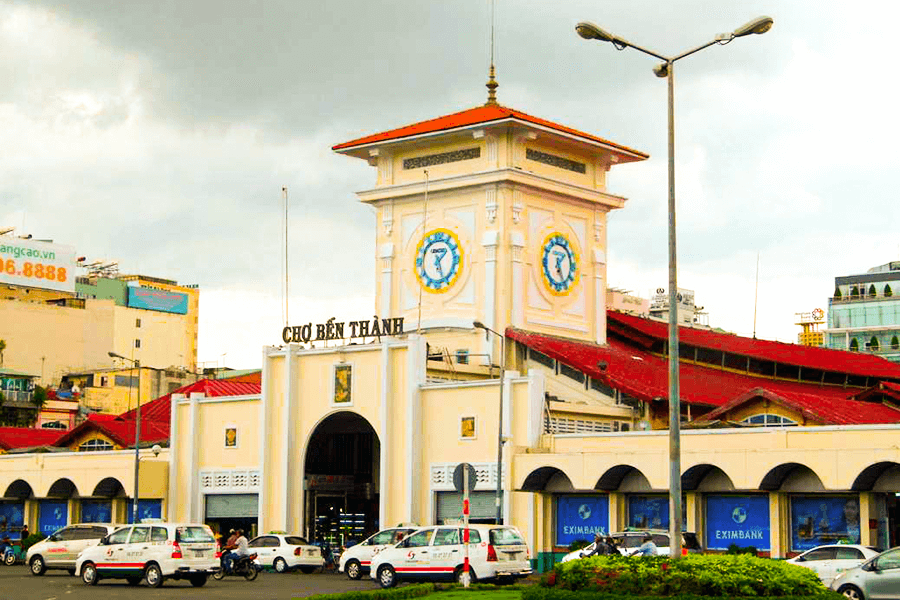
column 147, row 509
column 96, row 511
column 580, row 518
column 817, row 520
column 739, row 520
column 161, row 300
column 12, row 517
column 54, row 515
column 648, row 512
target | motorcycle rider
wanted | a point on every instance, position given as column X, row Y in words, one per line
column 240, row 549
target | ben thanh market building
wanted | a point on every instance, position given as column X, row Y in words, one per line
column 497, row 216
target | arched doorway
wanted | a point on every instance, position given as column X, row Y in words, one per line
column 342, row 479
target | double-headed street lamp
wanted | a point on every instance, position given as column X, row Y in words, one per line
column 136, row 364
column 480, row 325
column 589, row 31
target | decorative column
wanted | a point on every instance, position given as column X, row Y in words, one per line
column 288, row 441
column 490, row 241
column 517, row 295
column 194, row 509
column 778, row 522
column 599, row 296
column 386, row 254
column 265, row 478
column 171, row 503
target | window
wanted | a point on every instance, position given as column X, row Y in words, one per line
column 847, row 553
column 98, row 532
column 889, row 560
column 383, row 537
column 66, row 535
column 137, row 322
column 194, row 535
column 295, row 541
column 819, row 554
column 126, row 381
column 58, row 424
column 769, row 420
column 462, row 356
column 505, row 536
column 599, row 386
column 140, row 534
column 266, row 541
column 137, row 343
column 120, row 536
column 446, row 537
column 571, row 373
column 95, row 445
column 541, row 358
column 159, row 534
column 417, row 540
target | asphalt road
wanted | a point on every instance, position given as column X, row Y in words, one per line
column 17, row 583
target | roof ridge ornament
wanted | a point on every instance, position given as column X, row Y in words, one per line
column 492, row 86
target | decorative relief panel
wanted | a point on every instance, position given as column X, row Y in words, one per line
column 442, row 158
column 387, row 218
column 490, row 203
column 485, row 476
column 230, row 480
column 555, row 161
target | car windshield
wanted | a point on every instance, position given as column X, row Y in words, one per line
column 194, row 535
column 295, row 541
column 505, row 536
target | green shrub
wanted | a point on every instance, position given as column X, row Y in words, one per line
column 32, row 539
column 578, row 545
column 409, row 591
column 542, row 593
column 735, row 549
column 701, row 575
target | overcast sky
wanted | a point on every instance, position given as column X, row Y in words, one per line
column 159, row 134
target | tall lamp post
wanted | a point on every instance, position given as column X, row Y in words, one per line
column 480, row 325
column 589, row 31
column 136, row 364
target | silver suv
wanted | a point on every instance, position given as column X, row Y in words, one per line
column 60, row 550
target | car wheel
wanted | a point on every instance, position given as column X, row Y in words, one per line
column 387, row 577
column 251, row 572
column 153, row 575
column 89, row 574
column 280, row 565
column 353, row 569
column 307, row 569
column 852, row 592
column 198, row 580
column 133, row 580
column 37, row 565
column 458, row 575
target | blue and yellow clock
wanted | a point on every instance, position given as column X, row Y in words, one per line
column 559, row 264
column 439, row 260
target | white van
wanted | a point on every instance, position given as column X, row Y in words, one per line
column 60, row 550
column 152, row 552
column 437, row 553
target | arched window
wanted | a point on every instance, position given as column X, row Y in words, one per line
column 895, row 343
column 837, row 293
column 872, row 291
column 854, row 345
column 854, row 292
column 53, row 425
column 769, row 420
column 873, row 344
column 888, row 292
column 95, row 445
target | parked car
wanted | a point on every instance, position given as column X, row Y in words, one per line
column 436, row 553
column 356, row 559
column 152, row 552
column 828, row 561
column 877, row 578
column 629, row 541
column 286, row 552
column 61, row 548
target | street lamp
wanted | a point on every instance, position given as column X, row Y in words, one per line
column 589, row 31
column 480, row 325
column 136, row 364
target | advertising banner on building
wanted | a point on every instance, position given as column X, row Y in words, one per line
column 37, row 264
column 817, row 520
column 96, row 511
column 159, row 300
column 580, row 518
column 12, row 517
column 54, row 515
column 147, row 509
column 648, row 512
column 739, row 520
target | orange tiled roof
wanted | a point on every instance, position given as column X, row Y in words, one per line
column 475, row 116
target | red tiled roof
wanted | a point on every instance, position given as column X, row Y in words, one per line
column 638, row 373
column 119, row 431
column 248, row 378
column 159, row 410
column 826, row 359
column 482, row 115
column 27, row 437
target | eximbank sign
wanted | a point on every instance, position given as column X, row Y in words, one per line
column 37, row 264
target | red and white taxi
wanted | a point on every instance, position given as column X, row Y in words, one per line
column 356, row 560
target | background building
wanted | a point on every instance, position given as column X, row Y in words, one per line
column 864, row 313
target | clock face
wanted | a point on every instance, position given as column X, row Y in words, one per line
column 438, row 260
column 559, row 264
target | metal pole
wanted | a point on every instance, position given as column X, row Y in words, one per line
column 674, row 398
column 500, row 430
column 137, row 447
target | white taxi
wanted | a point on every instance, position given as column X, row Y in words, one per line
column 435, row 553
column 286, row 552
column 60, row 549
column 152, row 553
column 356, row 560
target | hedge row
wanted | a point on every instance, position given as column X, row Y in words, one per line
column 542, row 593
column 697, row 575
column 401, row 593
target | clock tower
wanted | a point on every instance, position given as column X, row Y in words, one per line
column 492, row 215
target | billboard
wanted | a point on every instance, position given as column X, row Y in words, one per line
column 36, row 264
column 739, row 520
column 580, row 518
column 818, row 520
column 160, row 300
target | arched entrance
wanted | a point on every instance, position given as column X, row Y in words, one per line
column 342, row 479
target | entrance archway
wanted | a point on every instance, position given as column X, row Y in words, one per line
column 341, row 468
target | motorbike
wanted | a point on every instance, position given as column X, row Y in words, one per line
column 244, row 566
column 11, row 555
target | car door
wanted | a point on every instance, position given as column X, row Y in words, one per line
column 819, row 560
column 366, row 550
column 845, row 557
column 266, row 548
column 416, row 559
column 112, row 556
column 58, row 553
column 884, row 582
column 446, row 552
